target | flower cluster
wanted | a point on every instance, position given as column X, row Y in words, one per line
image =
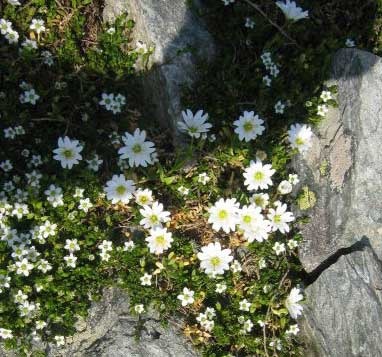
column 113, row 102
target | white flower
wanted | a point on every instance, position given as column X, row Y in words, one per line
column 274, row 71
column 4, row 281
column 29, row 44
column 291, row 303
column 70, row 260
column 68, row 152
column 280, row 218
column 249, row 23
column 262, row 263
column 260, row 200
column 203, row 178
column 214, row 260
column 293, row 330
column 284, row 187
column 128, row 246
column 20, row 297
column 40, row 324
column 253, row 224
column 300, row 137
column 267, row 80
column 29, row 96
column 55, row 195
column 141, row 47
column 12, row 36
column 94, row 163
column 293, row 179
column 279, row 248
column 236, row 267
column 322, row 109
column 244, row 305
column 249, row 126
column 5, row 26
column 183, row 190
column 111, row 30
column 279, row 107
column 326, row 95
column 48, row 229
column 227, row 2
column 292, row 11
column 106, row 246
column 194, row 125
column 107, row 100
column 60, row 340
column 23, row 267
column 349, row 42
column 258, row 175
column 72, row 245
column 118, row 189
column 37, row 25
column 224, row 215
column 139, row 308
column 220, row 288
column 154, row 216
column 79, row 192
column 292, row 244
column 5, row 334
column 187, row 297
column 247, row 325
column 47, row 58
column 146, row 279
column 136, row 149
column 85, row 204
column 20, row 210
column 144, row 197
column 159, row 240
column 6, row 166
column 44, row 266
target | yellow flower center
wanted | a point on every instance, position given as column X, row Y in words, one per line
column 68, row 154
column 137, row 149
column 160, row 240
column 248, row 126
column 300, row 142
column 247, row 219
column 223, row 214
column 277, row 218
column 121, row 189
column 258, row 176
column 215, row 261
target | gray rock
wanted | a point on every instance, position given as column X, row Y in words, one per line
column 111, row 331
column 342, row 245
column 179, row 39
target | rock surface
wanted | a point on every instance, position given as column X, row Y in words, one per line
column 342, row 246
column 179, row 39
column 110, row 331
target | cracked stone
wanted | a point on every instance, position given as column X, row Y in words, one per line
column 343, row 309
column 180, row 40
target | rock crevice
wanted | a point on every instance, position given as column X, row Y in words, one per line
column 342, row 247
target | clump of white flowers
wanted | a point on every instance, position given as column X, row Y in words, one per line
column 113, row 102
